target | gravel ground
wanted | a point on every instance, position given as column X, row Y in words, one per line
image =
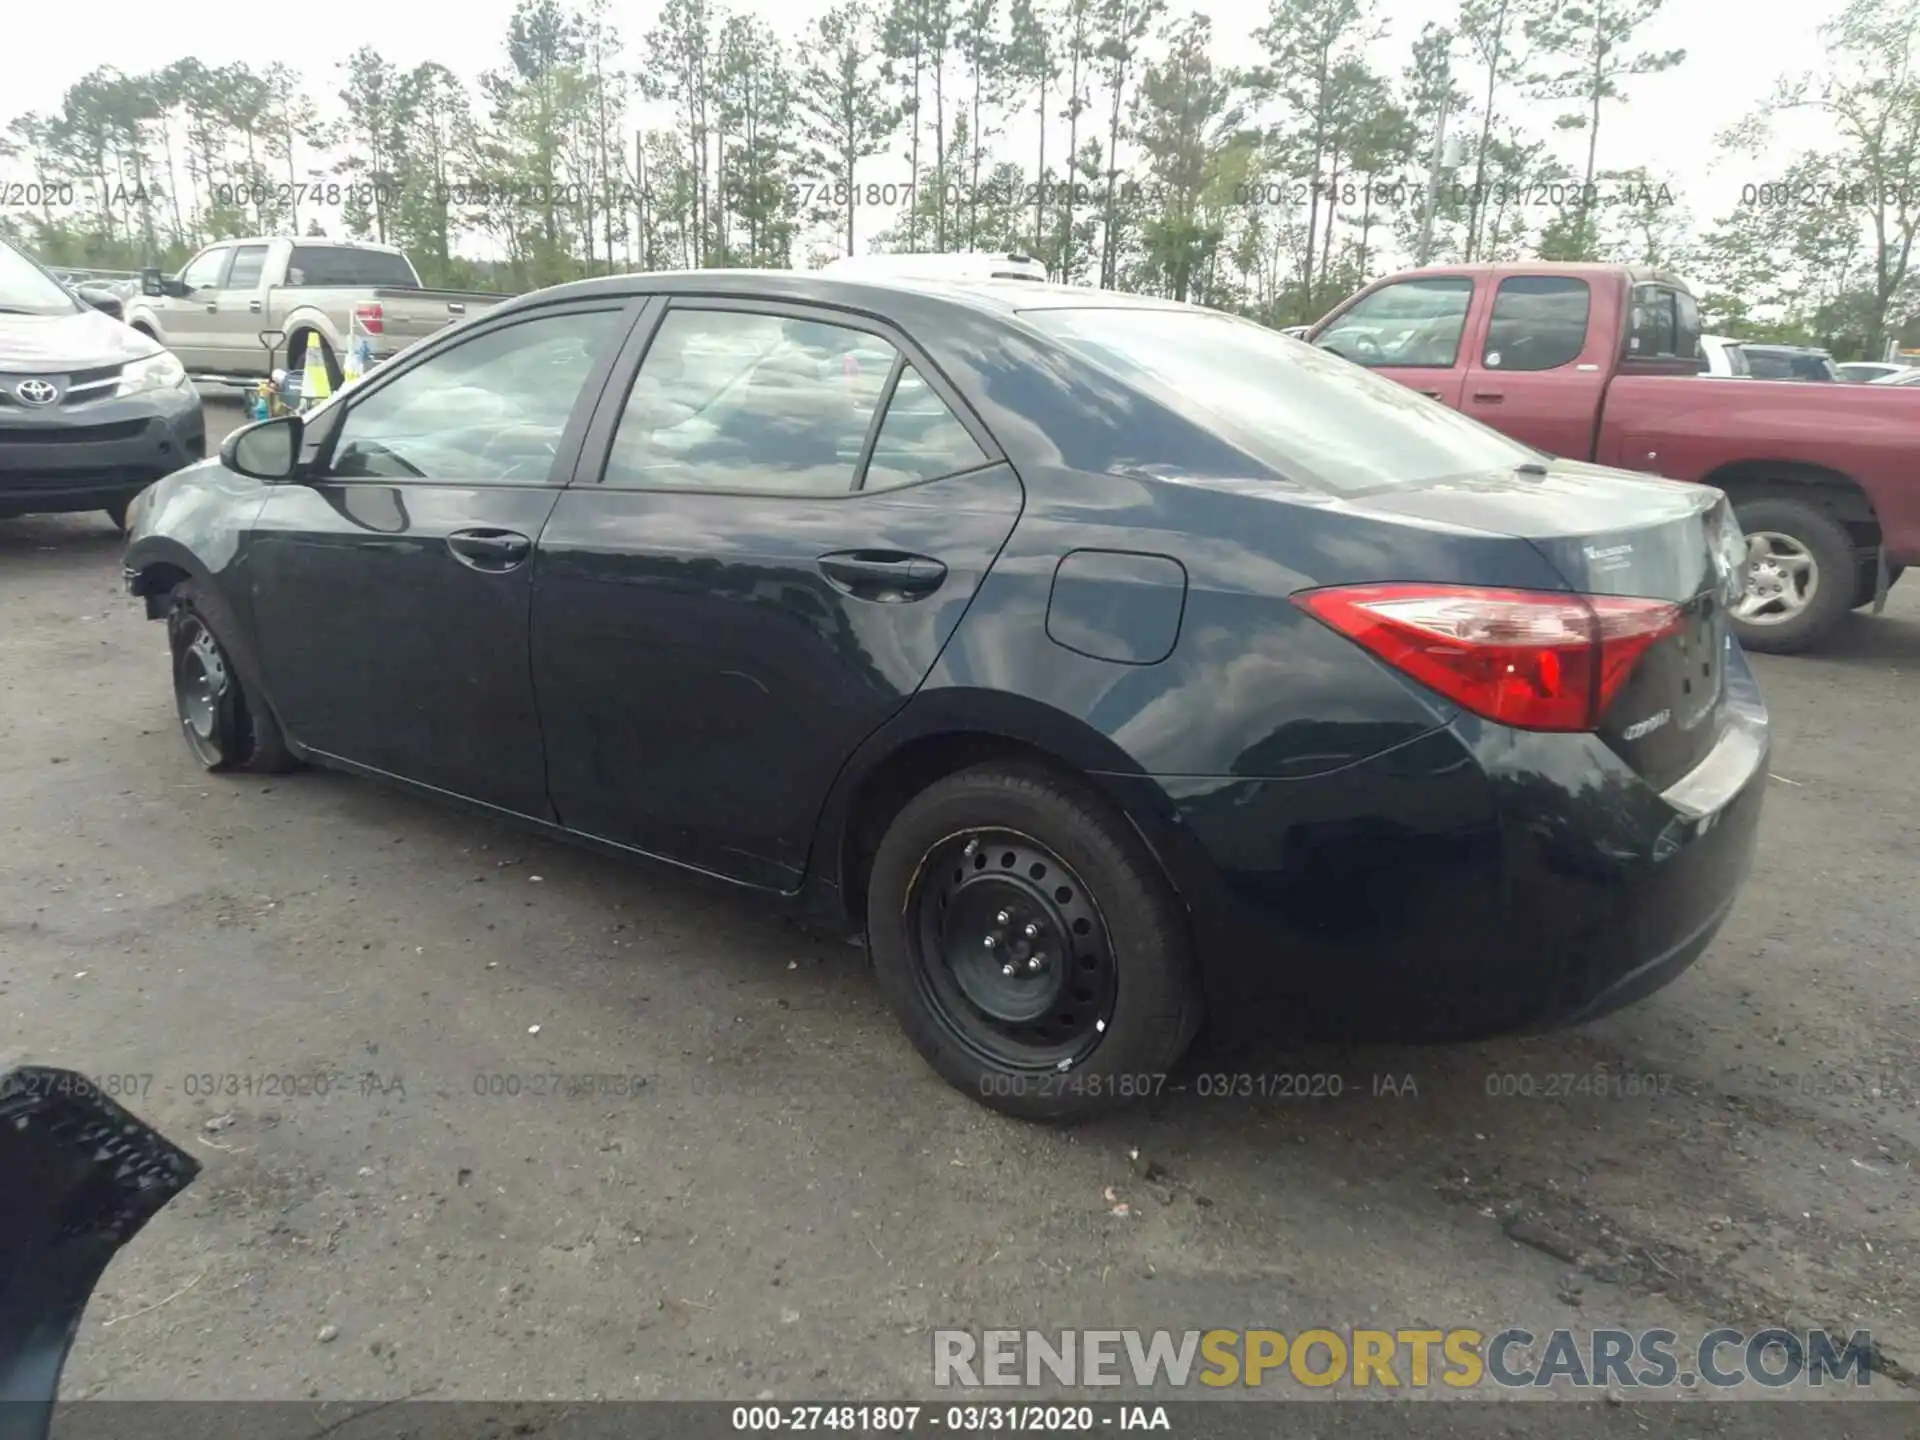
column 791, row 1202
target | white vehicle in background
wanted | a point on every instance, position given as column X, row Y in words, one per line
column 1724, row 356
column 1905, row 375
column 1864, row 370
column 959, row 265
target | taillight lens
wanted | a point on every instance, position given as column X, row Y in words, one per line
column 1532, row 659
column 372, row 317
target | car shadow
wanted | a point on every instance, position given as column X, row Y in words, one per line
column 85, row 533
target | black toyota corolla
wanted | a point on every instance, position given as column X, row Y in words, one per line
column 1112, row 662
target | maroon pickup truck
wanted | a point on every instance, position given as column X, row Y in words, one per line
column 1601, row 363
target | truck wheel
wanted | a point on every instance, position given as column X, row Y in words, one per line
column 1870, row 577
column 1801, row 575
column 1029, row 945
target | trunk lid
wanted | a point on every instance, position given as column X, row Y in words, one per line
column 1610, row 533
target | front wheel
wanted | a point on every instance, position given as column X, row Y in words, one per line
column 1801, row 575
column 1029, row 946
column 226, row 727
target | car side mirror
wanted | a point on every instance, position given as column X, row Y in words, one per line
column 105, row 301
column 265, row 450
column 151, row 281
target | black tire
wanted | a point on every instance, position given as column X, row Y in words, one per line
column 227, row 727
column 1829, row 593
column 1081, row 873
column 117, row 513
column 1869, row 578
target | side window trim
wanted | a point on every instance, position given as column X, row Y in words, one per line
column 628, row 309
column 878, row 420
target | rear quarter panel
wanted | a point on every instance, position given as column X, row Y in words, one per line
column 1688, row 427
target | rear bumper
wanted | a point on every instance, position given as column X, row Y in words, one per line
column 1477, row 881
column 87, row 456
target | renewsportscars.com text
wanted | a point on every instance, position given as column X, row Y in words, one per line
column 1416, row 1359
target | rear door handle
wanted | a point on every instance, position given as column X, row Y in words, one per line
column 253, row 306
column 487, row 549
column 1434, row 394
column 1490, row 397
column 213, row 307
column 456, row 307
column 886, row 575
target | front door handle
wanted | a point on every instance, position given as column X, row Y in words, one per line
column 487, row 549
column 254, row 306
column 886, row 575
column 213, row 307
column 1490, row 397
column 1434, row 394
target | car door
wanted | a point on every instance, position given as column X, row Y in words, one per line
column 1538, row 374
column 776, row 529
column 237, row 318
column 390, row 590
column 191, row 320
column 1411, row 331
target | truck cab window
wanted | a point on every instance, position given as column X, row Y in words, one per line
column 1539, row 323
column 1654, row 333
column 1414, row 323
column 248, row 262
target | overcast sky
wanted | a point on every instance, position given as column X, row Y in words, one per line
column 1736, row 49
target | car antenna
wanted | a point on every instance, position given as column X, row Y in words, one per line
column 1531, row 467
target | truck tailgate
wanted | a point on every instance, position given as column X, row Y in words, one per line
column 410, row 315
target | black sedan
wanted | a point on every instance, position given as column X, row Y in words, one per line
column 1111, row 662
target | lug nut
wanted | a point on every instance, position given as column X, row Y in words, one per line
column 1032, row 930
column 1007, row 969
column 990, row 942
column 1002, row 918
column 1033, row 962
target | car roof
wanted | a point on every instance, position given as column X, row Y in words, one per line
column 855, row 290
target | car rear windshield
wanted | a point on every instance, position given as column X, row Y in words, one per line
column 26, row 289
column 1312, row 416
column 338, row 265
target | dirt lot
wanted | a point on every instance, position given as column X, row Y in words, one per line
column 791, row 1202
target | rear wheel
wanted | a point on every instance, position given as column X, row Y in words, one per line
column 226, row 727
column 1801, row 575
column 1029, row 946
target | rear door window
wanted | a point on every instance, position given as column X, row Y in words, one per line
column 920, row 438
column 1539, row 323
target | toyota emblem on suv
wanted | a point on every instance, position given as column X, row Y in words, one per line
column 35, row 392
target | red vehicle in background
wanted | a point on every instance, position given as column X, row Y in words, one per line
column 1601, row 363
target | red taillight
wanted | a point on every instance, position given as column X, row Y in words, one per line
column 372, row 317
column 1532, row 659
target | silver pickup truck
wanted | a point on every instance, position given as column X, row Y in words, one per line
column 308, row 291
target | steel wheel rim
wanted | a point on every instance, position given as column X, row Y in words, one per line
column 201, row 682
column 1782, row 579
column 1011, row 950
